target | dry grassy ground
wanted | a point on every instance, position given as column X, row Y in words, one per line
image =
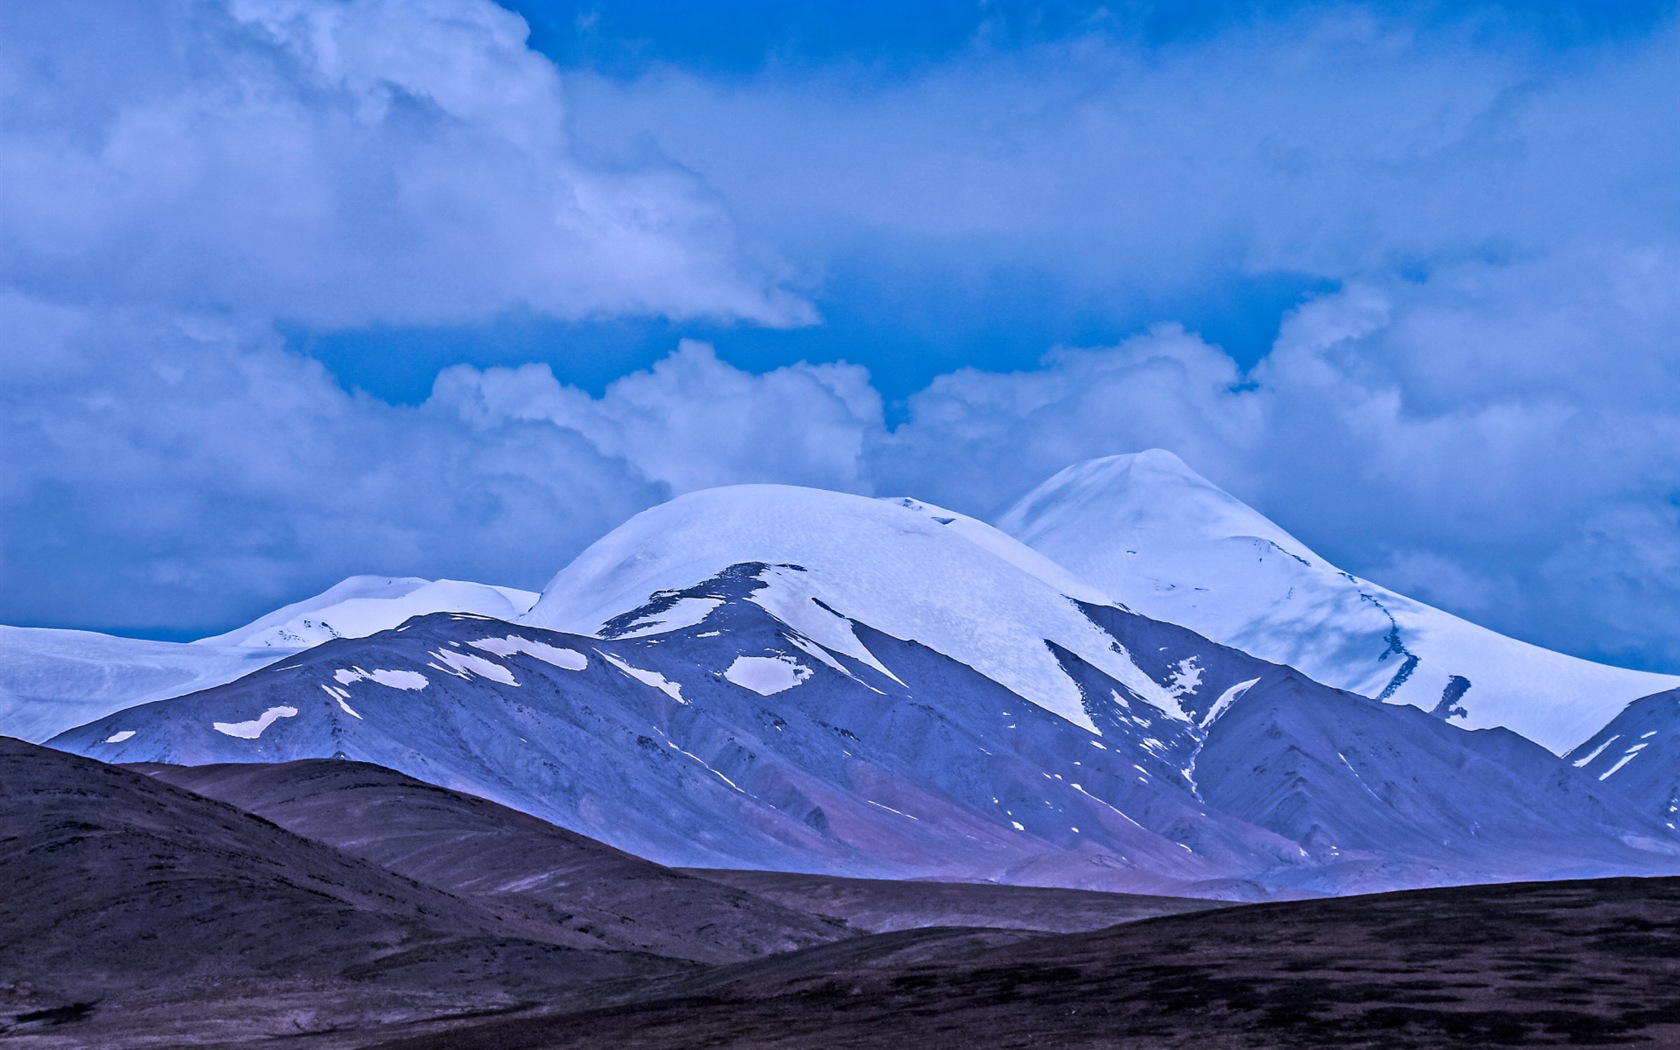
column 1593, row 963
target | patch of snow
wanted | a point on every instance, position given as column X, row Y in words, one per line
column 812, row 649
column 889, row 809
column 1599, row 750
column 565, row 659
column 1186, row 678
column 1624, row 760
column 766, row 675
column 465, row 664
column 1227, row 698
column 669, row 743
column 119, row 737
column 254, row 728
column 685, row 612
column 653, row 678
column 1101, row 802
column 391, row 679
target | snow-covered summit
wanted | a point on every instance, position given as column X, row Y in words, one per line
column 905, row 568
column 1143, row 494
column 364, row 605
column 1156, row 536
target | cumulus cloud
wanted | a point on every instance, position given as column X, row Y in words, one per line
column 179, row 177
column 1332, row 141
column 188, row 472
column 977, row 440
column 216, row 475
column 692, row 421
column 337, row 164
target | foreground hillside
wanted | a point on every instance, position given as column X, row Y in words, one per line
column 139, row 914
column 1537, row 964
column 143, row 915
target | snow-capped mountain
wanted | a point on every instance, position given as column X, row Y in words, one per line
column 908, row 569
column 1151, row 533
column 784, row 678
column 51, row 680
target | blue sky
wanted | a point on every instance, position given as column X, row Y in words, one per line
column 294, row 289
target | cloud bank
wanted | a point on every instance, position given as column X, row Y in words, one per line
column 1474, row 404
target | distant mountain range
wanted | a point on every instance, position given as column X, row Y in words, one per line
column 789, row 679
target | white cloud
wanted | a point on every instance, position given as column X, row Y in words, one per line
column 1333, row 141
column 977, row 440
column 191, row 474
column 1498, row 439
column 692, row 421
column 336, row 164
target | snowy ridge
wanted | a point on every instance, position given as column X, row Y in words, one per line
column 910, row 571
column 364, row 605
column 1160, row 539
column 51, row 680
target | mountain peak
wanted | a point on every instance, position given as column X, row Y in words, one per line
column 1142, row 494
column 829, row 561
column 1162, row 540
